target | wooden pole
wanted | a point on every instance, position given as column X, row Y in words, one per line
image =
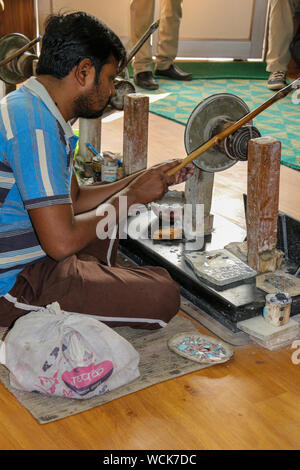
column 89, row 131
column 199, row 190
column 139, row 44
column 135, row 138
column 262, row 203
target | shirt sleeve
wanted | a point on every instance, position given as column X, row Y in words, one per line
column 42, row 168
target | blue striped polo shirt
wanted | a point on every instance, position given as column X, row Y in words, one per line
column 36, row 154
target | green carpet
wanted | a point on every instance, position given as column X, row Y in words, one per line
column 281, row 120
column 230, row 69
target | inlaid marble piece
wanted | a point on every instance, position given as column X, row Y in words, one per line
column 219, row 267
column 279, row 281
column 200, row 348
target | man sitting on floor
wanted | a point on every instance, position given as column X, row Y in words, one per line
column 48, row 222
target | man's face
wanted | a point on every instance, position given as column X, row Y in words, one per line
column 91, row 104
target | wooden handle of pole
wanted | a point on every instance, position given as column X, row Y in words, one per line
column 234, row 127
column 195, row 154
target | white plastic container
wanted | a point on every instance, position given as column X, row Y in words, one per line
column 109, row 171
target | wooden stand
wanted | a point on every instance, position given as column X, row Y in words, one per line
column 198, row 190
column 89, row 131
column 135, row 139
column 262, row 203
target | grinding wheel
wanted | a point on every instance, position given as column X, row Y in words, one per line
column 122, row 88
column 9, row 44
column 205, row 121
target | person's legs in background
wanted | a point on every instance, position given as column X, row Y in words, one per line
column 141, row 17
column 279, row 34
column 168, row 36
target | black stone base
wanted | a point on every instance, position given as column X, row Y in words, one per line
column 228, row 305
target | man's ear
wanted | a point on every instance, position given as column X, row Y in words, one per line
column 84, row 72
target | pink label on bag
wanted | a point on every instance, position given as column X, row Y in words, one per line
column 83, row 380
column 48, row 384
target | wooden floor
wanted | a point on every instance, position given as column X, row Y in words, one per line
column 251, row 402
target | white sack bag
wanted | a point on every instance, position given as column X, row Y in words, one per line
column 67, row 354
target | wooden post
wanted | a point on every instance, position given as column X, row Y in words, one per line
column 2, row 89
column 89, row 131
column 262, row 203
column 34, row 66
column 198, row 190
column 135, row 138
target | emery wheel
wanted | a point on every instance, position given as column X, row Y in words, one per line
column 205, row 121
column 9, row 44
column 122, row 88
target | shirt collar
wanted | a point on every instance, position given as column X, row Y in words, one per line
column 39, row 90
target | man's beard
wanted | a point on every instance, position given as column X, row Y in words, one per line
column 83, row 108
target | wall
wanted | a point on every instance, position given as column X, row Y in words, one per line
column 103, row 9
column 208, row 20
column 235, row 24
column 220, row 24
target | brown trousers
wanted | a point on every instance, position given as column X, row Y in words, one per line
column 141, row 17
column 140, row 297
column 279, row 33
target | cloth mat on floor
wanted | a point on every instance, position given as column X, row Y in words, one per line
column 280, row 120
column 157, row 364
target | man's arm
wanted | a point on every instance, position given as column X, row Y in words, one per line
column 62, row 233
column 86, row 198
column 89, row 197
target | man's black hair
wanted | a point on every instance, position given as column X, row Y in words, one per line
column 70, row 38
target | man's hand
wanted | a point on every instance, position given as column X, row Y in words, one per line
column 182, row 175
column 155, row 182
column 151, row 185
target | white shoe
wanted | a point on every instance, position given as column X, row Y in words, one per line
column 277, row 80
